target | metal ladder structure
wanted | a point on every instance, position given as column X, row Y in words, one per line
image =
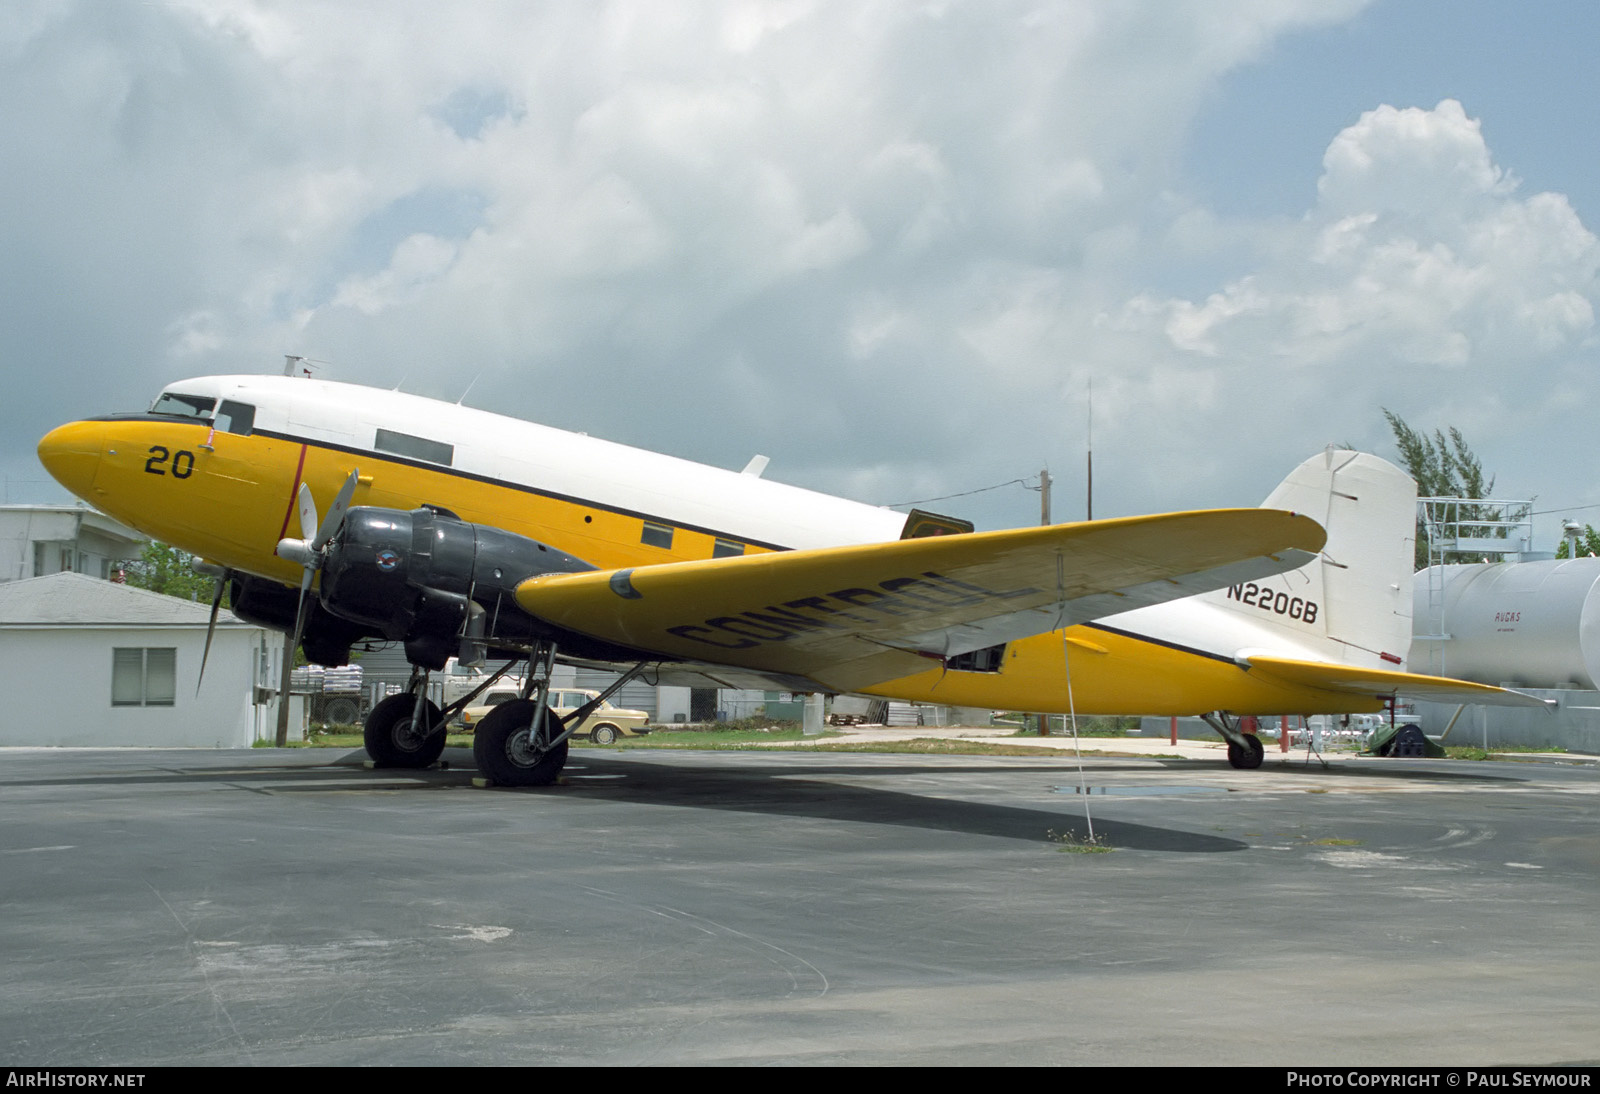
column 1465, row 530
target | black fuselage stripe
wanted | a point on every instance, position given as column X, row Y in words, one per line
column 1180, row 647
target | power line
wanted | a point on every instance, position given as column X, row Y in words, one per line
column 965, row 493
column 1564, row 509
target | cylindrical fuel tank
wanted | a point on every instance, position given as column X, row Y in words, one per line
column 1528, row 624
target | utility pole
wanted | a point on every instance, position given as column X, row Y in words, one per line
column 1044, row 518
column 1089, row 476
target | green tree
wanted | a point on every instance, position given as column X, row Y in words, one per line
column 1444, row 467
column 165, row 569
column 1588, row 545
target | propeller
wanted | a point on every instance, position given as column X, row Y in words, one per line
column 211, row 627
column 311, row 549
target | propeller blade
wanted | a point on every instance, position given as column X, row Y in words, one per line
column 211, row 629
column 300, row 611
column 330, row 523
column 308, row 512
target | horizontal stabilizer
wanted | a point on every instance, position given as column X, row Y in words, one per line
column 849, row 617
column 1382, row 683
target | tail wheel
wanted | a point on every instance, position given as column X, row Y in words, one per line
column 505, row 750
column 393, row 740
column 1248, row 757
column 604, row 734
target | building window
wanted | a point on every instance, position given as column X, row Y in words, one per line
column 725, row 548
column 656, row 535
column 144, row 677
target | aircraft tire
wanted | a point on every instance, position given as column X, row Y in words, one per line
column 389, row 739
column 604, row 734
column 500, row 744
column 1250, row 757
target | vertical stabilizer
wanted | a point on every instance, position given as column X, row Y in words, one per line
column 1352, row 605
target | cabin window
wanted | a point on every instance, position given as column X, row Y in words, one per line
column 183, row 406
column 235, row 417
column 725, row 548
column 144, row 677
column 988, row 659
column 656, row 535
column 418, row 448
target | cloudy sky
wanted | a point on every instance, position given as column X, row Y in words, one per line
column 889, row 245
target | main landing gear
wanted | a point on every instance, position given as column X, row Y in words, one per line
column 519, row 743
column 1244, row 749
column 396, row 737
column 523, row 742
column 407, row 730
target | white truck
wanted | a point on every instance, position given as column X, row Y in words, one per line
column 459, row 680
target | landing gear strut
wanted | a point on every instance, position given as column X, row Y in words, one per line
column 1244, row 749
column 523, row 742
column 513, row 744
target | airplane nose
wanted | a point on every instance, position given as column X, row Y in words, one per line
column 71, row 453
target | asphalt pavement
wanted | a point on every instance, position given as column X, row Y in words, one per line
column 263, row 907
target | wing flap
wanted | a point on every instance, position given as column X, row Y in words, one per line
column 1383, row 683
column 848, row 617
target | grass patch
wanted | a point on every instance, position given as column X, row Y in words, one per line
column 1090, row 726
column 1329, row 842
column 1473, row 752
column 943, row 746
column 746, row 733
column 1073, row 844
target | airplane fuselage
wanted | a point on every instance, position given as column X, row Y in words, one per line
column 215, row 468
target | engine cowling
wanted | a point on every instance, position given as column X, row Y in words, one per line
column 419, row 577
column 326, row 639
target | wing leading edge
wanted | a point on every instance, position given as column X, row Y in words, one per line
column 849, row 617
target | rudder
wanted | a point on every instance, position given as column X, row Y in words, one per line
column 1353, row 604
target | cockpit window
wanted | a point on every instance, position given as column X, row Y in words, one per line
column 183, row 406
column 235, row 417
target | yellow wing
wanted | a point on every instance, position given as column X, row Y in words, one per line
column 848, row 617
column 1351, row 679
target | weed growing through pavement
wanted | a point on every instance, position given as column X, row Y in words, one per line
column 1072, row 843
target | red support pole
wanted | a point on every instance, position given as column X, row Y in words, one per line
column 1283, row 734
column 1174, row 729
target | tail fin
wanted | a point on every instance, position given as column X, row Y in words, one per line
column 1352, row 605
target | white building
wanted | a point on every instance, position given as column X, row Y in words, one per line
column 36, row 540
column 89, row 662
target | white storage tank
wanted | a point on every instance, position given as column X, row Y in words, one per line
column 1524, row 624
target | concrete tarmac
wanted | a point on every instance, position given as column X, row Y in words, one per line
column 261, row 907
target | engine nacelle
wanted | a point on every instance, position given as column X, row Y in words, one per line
column 416, row 577
column 325, row 638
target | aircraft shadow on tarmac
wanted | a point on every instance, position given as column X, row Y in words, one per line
column 1405, row 770
column 768, row 787
column 808, row 792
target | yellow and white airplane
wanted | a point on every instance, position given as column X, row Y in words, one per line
column 456, row 529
